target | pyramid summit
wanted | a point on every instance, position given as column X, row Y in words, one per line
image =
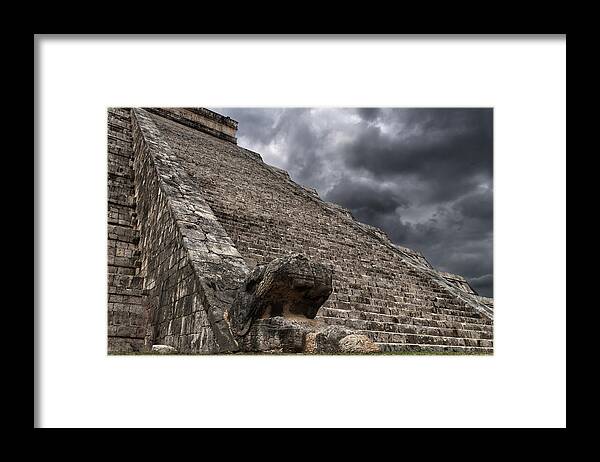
column 211, row 250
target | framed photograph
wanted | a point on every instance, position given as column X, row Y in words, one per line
column 348, row 221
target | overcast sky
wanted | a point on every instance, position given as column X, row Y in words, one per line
column 424, row 176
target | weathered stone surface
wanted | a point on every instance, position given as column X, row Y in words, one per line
column 164, row 349
column 202, row 119
column 356, row 343
column 118, row 344
column 310, row 343
column 126, row 321
column 328, row 338
column 276, row 335
column 284, row 335
column 290, row 286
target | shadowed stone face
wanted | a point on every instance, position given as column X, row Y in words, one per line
column 291, row 287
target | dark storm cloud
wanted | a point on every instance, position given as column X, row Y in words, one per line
column 303, row 145
column 477, row 205
column 368, row 113
column 450, row 149
column 483, row 285
column 424, row 176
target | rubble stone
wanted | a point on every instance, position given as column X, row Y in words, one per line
column 164, row 350
column 356, row 343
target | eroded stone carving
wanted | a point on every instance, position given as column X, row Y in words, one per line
column 284, row 335
column 291, row 287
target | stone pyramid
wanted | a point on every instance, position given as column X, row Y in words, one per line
column 191, row 214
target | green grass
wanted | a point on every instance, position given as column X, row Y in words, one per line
column 436, row 353
column 384, row 353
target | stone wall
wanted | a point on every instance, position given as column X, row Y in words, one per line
column 392, row 296
column 126, row 324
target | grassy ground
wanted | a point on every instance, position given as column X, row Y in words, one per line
column 386, row 353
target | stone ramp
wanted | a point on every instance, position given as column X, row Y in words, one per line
column 378, row 289
column 191, row 268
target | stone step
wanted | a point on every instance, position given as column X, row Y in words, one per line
column 123, row 249
column 123, row 290
column 126, row 299
column 123, row 265
column 407, row 347
column 119, row 131
column 459, row 308
column 406, row 318
column 119, row 116
column 119, row 125
column 122, row 270
column 117, row 170
column 119, row 330
column 461, row 323
column 124, row 281
column 121, row 215
column 455, row 331
column 440, row 321
column 475, row 319
column 392, row 337
column 121, row 150
column 118, row 111
column 121, row 198
column 124, row 234
column 120, row 139
column 121, row 177
column 451, row 308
